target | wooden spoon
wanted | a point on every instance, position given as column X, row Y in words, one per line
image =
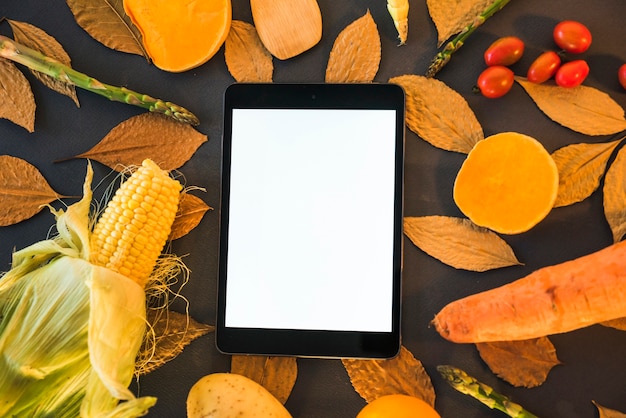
column 287, row 27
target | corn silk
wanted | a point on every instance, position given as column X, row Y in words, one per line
column 70, row 331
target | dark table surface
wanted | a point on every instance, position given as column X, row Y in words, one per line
column 594, row 360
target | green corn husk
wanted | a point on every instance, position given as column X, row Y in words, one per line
column 69, row 330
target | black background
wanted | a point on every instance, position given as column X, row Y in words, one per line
column 594, row 364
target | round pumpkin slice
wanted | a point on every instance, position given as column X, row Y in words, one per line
column 508, row 183
column 179, row 35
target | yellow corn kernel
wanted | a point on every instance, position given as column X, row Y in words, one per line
column 126, row 238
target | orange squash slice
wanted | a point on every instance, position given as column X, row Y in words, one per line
column 508, row 183
column 180, row 34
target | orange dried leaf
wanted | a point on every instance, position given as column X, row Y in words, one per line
column 276, row 374
column 582, row 109
column 17, row 102
column 619, row 324
column 524, row 363
column 615, row 195
column 37, row 39
column 608, row 413
column 450, row 17
column 246, row 57
column 23, row 190
column 191, row 209
column 580, row 168
column 355, row 55
column 438, row 114
column 403, row 374
column 459, row 243
column 167, row 142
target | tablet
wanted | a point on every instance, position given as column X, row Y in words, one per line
column 310, row 257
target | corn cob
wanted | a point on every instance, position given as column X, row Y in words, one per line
column 135, row 225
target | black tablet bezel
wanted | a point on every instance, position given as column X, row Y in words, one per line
column 296, row 342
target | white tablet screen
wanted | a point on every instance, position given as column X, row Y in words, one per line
column 311, row 219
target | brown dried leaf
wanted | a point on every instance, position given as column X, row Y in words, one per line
column 438, row 114
column 276, row 374
column 355, row 55
column 619, row 323
column 35, row 38
column 582, row 109
column 615, row 195
column 246, row 57
column 191, row 209
column 107, row 23
column 17, row 102
column 608, row 413
column 171, row 332
column 450, row 17
column 23, row 190
column 148, row 135
column 403, row 374
column 459, row 243
column 580, row 168
column 523, row 363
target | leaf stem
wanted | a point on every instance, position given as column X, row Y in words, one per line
column 37, row 61
column 443, row 56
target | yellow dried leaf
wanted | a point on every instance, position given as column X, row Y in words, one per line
column 191, row 209
column 615, row 195
column 148, row 135
column 438, row 114
column 170, row 333
column 246, row 57
column 580, row 168
column 23, row 190
column 276, row 374
column 17, row 102
column 355, row 55
column 608, row 413
column 403, row 374
column 450, row 17
column 524, row 363
column 582, row 109
column 459, row 243
column 37, row 39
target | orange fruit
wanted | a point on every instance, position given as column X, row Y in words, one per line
column 508, row 183
column 398, row 406
column 179, row 35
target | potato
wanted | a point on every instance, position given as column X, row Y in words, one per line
column 225, row 395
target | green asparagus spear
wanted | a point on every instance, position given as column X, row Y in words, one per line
column 468, row 385
column 39, row 62
column 457, row 42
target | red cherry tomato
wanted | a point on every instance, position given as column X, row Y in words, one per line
column 544, row 67
column 572, row 74
column 504, row 51
column 495, row 81
column 572, row 36
column 621, row 75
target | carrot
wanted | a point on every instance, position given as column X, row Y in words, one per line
column 551, row 300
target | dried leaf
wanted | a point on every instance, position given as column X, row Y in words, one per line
column 580, row 168
column 246, row 57
column 106, row 22
column 582, row 109
column 459, row 243
column 450, row 17
column 608, row 413
column 523, row 363
column 619, row 323
column 35, row 38
column 17, row 102
column 171, row 332
column 403, row 374
column 23, row 190
column 148, row 135
column 438, row 114
column 191, row 209
column 355, row 55
column 615, row 195
column 276, row 374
